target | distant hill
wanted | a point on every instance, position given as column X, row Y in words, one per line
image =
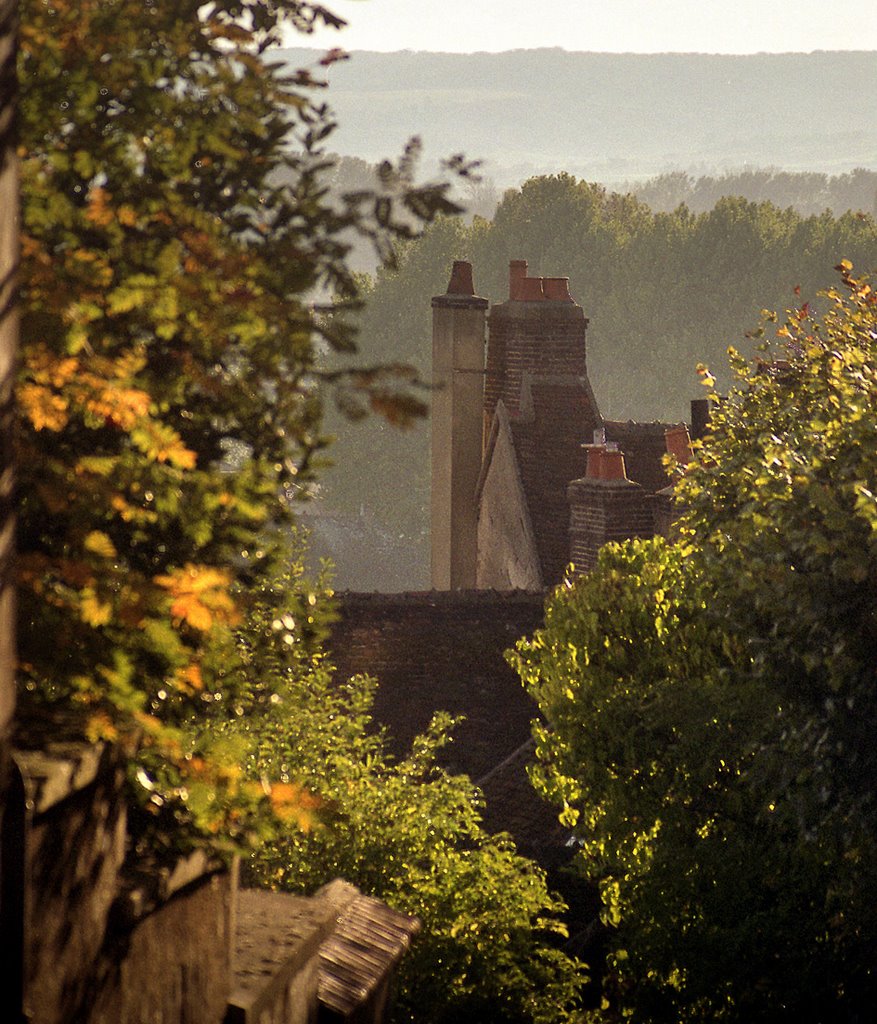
column 609, row 117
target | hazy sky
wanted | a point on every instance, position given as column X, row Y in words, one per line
column 637, row 26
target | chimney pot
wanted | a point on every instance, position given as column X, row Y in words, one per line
column 530, row 289
column 461, row 282
column 595, row 461
column 557, row 289
column 517, row 273
column 612, row 465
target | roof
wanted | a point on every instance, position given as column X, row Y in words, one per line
column 644, row 447
column 514, row 806
column 444, row 650
column 358, row 957
column 558, row 415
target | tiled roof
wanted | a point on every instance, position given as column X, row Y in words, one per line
column 644, row 448
column 357, row 960
column 513, row 805
column 444, row 651
column 558, row 416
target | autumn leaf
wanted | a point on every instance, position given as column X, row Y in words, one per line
column 100, row 727
column 295, row 805
column 199, row 596
column 45, row 409
column 98, row 543
column 92, row 610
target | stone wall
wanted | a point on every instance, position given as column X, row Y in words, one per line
column 101, row 946
column 108, row 942
column 508, row 558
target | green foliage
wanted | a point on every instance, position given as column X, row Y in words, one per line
column 786, row 486
column 809, row 192
column 176, row 236
column 404, row 831
column 709, row 703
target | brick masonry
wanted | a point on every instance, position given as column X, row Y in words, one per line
column 604, row 511
column 544, row 338
column 442, row 651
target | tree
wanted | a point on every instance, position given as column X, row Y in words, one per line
column 709, row 702
column 404, row 831
column 177, row 243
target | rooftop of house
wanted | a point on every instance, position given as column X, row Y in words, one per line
column 444, row 650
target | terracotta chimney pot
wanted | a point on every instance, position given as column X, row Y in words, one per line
column 557, row 289
column 530, row 289
column 461, row 282
column 595, row 461
column 612, row 465
column 517, row 273
column 678, row 444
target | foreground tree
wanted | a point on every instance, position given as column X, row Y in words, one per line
column 176, row 242
column 709, row 703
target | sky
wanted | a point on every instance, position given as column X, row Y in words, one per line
column 611, row 26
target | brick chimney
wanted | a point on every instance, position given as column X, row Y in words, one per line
column 540, row 330
column 458, row 322
column 605, row 506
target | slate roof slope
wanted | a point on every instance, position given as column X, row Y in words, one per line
column 558, row 415
column 514, row 806
column 644, row 448
column 443, row 650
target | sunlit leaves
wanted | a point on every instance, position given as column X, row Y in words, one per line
column 710, row 706
column 199, row 596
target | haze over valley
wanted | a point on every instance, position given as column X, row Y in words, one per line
column 607, row 117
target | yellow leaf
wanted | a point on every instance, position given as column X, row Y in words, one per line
column 189, row 609
column 100, row 727
column 98, row 543
column 44, row 409
column 92, row 610
column 295, row 805
column 199, row 596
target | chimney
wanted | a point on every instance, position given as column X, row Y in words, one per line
column 458, row 322
column 595, row 461
column 461, row 279
column 605, row 506
column 517, row 273
column 612, row 464
column 556, row 289
column 540, row 331
column 700, row 417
